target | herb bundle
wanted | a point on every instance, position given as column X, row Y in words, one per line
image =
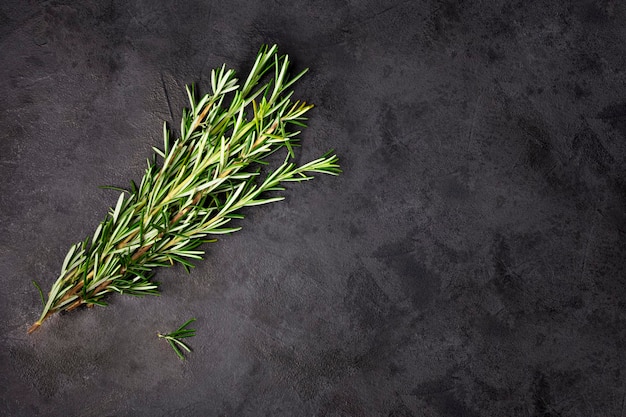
column 203, row 180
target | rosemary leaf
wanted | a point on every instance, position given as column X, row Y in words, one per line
column 174, row 337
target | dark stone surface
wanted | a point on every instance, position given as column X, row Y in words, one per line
column 469, row 262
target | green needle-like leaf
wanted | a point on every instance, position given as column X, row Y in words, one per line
column 205, row 177
column 43, row 299
column 174, row 338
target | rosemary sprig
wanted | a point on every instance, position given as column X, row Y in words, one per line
column 205, row 177
column 180, row 333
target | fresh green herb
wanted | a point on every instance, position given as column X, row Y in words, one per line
column 43, row 299
column 204, row 178
column 174, row 338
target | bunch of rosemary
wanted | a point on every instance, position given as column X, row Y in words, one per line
column 206, row 176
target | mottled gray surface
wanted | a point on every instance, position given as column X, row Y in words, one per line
column 469, row 262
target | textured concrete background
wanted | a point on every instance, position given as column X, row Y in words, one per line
column 470, row 261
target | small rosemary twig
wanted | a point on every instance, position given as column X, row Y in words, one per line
column 181, row 333
column 204, row 179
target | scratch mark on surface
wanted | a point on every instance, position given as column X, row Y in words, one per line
column 249, row 321
column 204, row 64
column 138, row 22
column 374, row 16
column 473, row 122
column 586, row 252
column 167, row 97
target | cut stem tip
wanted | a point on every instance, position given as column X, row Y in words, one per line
column 34, row 327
